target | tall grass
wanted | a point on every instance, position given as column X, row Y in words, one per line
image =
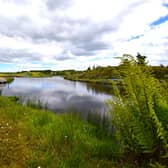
column 32, row 137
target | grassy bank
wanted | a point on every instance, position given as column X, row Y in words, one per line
column 6, row 79
column 35, row 74
column 9, row 79
column 24, row 74
column 32, row 137
column 96, row 81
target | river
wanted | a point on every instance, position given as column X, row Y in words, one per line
column 60, row 95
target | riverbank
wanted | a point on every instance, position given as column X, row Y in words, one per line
column 119, row 82
column 97, row 81
column 4, row 80
column 31, row 137
column 33, row 74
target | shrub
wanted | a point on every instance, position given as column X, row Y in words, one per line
column 141, row 115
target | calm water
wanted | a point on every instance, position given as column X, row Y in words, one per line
column 59, row 95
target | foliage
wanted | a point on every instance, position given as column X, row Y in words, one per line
column 10, row 79
column 141, row 116
column 32, row 137
column 160, row 72
column 141, row 59
column 107, row 74
column 95, row 73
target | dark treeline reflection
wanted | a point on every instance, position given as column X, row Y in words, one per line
column 100, row 88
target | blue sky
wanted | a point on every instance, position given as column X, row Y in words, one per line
column 7, row 67
column 160, row 21
column 76, row 34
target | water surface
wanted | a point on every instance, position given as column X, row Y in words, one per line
column 59, row 95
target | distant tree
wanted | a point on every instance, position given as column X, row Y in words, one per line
column 141, row 60
column 88, row 69
column 94, row 67
column 161, row 65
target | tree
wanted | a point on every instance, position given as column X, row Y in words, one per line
column 141, row 60
column 88, row 69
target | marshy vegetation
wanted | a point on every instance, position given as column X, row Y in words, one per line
column 138, row 136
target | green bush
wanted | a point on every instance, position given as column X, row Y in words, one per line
column 141, row 115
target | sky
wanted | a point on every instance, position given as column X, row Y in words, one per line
column 76, row 34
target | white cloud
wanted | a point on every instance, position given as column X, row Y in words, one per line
column 81, row 32
column 153, row 43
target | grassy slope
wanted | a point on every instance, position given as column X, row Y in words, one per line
column 31, row 138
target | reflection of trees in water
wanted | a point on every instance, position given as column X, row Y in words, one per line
column 74, row 83
column 99, row 88
column 85, row 105
column 102, row 121
column 1, row 88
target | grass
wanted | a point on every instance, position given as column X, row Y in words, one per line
column 35, row 74
column 32, row 137
column 7, row 79
column 105, row 82
column 11, row 74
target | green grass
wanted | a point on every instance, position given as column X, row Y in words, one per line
column 8, row 74
column 35, row 74
column 32, row 137
column 9, row 79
